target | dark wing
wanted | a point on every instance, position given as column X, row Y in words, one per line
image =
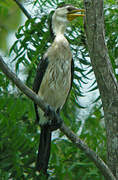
column 72, row 73
column 41, row 69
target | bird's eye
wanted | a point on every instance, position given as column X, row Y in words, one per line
column 70, row 9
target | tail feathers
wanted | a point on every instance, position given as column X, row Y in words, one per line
column 44, row 149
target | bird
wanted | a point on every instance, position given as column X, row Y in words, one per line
column 54, row 77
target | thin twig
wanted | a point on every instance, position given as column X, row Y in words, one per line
column 23, row 9
column 77, row 141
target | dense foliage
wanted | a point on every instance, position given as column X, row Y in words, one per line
column 19, row 135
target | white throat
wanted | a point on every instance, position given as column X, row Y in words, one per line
column 59, row 25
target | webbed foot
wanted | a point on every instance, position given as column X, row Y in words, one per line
column 53, row 122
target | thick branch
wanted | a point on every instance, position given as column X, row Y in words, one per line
column 78, row 142
column 107, row 83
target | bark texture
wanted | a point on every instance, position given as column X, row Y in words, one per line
column 107, row 83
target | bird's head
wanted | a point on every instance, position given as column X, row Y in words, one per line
column 63, row 15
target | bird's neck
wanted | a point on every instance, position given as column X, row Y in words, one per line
column 58, row 28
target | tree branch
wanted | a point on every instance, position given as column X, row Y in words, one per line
column 78, row 142
column 23, row 9
column 107, row 83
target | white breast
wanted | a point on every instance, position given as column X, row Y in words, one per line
column 56, row 83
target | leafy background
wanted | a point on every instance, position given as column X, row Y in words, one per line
column 19, row 135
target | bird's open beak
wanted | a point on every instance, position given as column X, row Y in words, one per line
column 74, row 13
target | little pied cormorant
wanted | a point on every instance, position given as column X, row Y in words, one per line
column 54, row 77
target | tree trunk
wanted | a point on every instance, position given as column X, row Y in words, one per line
column 107, row 84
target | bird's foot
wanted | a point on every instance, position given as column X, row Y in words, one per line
column 54, row 125
column 53, row 122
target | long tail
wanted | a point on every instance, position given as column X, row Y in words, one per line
column 44, row 150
